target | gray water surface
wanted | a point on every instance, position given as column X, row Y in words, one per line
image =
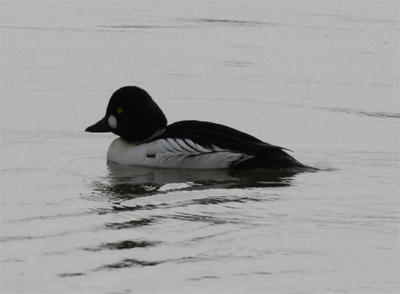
column 318, row 77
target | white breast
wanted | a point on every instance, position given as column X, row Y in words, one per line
column 172, row 153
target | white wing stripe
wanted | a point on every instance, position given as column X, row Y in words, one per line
column 185, row 146
column 175, row 146
column 197, row 147
column 191, row 144
column 166, row 147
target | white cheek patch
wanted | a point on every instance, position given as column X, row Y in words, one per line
column 112, row 121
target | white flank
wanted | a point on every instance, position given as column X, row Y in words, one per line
column 172, row 153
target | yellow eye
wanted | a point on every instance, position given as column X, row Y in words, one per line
column 119, row 110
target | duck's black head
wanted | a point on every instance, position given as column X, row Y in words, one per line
column 131, row 114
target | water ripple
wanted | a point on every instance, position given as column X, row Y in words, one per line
column 122, row 245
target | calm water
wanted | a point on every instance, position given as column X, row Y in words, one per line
column 318, row 77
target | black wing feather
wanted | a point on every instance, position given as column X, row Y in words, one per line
column 206, row 134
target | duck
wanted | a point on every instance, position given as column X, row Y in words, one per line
column 145, row 139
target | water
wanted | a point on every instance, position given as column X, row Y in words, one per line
column 318, row 77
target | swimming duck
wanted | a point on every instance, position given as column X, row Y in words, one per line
column 145, row 139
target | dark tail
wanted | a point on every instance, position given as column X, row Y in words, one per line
column 271, row 159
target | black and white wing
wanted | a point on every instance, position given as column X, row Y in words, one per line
column 226, row 145
column 186, row 153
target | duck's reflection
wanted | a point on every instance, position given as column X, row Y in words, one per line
column 127, row 182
